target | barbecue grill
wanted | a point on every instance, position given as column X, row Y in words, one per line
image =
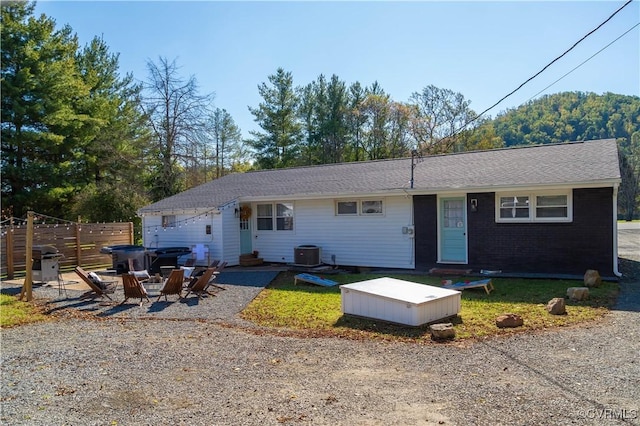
column 46, row 266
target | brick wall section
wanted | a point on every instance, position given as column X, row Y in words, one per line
column 561, row 248
column 568, row 248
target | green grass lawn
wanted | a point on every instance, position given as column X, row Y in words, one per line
column 308, row 310
column 313, row 310
column 14, row 312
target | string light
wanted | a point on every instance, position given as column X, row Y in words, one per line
column 178, row 224
column 43, row 221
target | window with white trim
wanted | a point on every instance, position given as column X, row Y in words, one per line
column 264, row 217
column 552, row 206
column 359, row 207
column 284, row 216
column 168, row 221
column 514, row 207
column 534, row 207
column 278, row 216
column 371, row 207
column 347, row 208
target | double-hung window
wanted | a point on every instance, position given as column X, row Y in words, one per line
column 278, row 216
column 534, row 207
column 284, row 216
column 265, row 217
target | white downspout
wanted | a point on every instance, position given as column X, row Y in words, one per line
column 615, row 231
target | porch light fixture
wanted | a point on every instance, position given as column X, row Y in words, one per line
column 474, row 205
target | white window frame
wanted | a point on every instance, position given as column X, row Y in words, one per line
column 168, row 221
column 533, row 207
column 374, row 213
column 338, row 202
column 275, row 218
column 285, row 219
column 360, row 210
column 259, row 217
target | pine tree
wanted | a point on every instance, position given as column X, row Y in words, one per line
column 40, row 88
column 227, row 138
column 278, row 145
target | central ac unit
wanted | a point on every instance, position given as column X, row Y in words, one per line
column 307, row 255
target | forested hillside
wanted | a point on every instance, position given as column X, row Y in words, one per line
column 577, row 116
column 569, row 116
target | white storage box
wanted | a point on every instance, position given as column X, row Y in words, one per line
column 399, row 301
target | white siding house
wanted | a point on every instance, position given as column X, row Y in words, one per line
column 524, row 209
column 375, row 240
column 363, row 240
column 185, row 230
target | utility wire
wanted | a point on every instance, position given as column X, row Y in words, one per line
column 586, row 60
column 541, row 71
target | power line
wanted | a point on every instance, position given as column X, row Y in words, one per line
column 541, row 71
column 586, row 60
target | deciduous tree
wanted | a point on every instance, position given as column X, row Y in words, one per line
column 438, row 114
column 629, row 193
column 177, row 114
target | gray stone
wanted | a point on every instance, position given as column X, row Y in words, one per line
column 556, row 306
column 578, row 293
column 509, row 321
column 592, row 278
column 442, row 331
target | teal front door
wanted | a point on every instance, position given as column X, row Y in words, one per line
column 245, row 236
column 453, row 230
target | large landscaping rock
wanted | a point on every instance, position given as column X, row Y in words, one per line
column 592, row 278
column 442, row 331
column 509, row 321
column 578, row 293
column 556, row 306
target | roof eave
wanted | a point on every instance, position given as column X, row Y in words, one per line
column 613, row 182
column 188, row 211
column 509, row 187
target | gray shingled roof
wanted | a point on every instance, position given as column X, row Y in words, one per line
column 571, row 163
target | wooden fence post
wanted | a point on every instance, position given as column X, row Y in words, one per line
column 28, row 279
column 78, row 248
column 9, row 250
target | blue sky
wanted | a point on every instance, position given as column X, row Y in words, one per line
column 483, row 50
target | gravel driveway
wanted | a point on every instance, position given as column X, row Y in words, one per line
column 152, row 370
